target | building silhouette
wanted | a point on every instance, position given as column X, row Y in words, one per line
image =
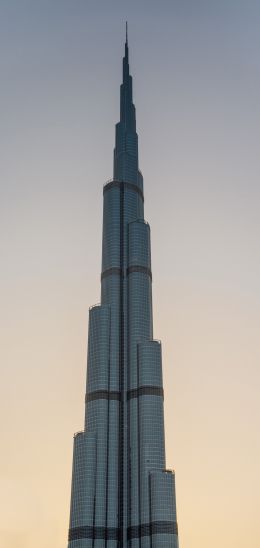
column 122, row 495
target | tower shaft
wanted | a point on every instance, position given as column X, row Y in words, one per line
column 122, row 495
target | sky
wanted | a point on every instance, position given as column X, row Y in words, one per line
column 196, row 70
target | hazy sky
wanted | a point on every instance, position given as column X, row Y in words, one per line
column 196, row 69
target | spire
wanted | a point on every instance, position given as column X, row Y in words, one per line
column 126, row 58
column 126, row 146
column 126, row 43
column 127, row 114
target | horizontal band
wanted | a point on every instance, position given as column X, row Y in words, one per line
column 110, row 271
column 145, row 391
column 116, row 395
column 139, row 268
column 153, row 528
column 123, row 184
column 86, row 531
column 119, row 272
column 103, row 395
column 113, row 533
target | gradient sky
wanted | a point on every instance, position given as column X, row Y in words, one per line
column 196, row 69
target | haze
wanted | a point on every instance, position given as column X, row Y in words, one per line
column 196, row 70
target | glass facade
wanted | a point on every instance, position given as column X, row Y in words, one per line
column 122, row 496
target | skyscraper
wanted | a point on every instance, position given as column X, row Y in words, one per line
column 122, row 495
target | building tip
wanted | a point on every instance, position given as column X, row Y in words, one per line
column 126, row 33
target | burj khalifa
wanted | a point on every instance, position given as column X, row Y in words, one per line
column 122, row 494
